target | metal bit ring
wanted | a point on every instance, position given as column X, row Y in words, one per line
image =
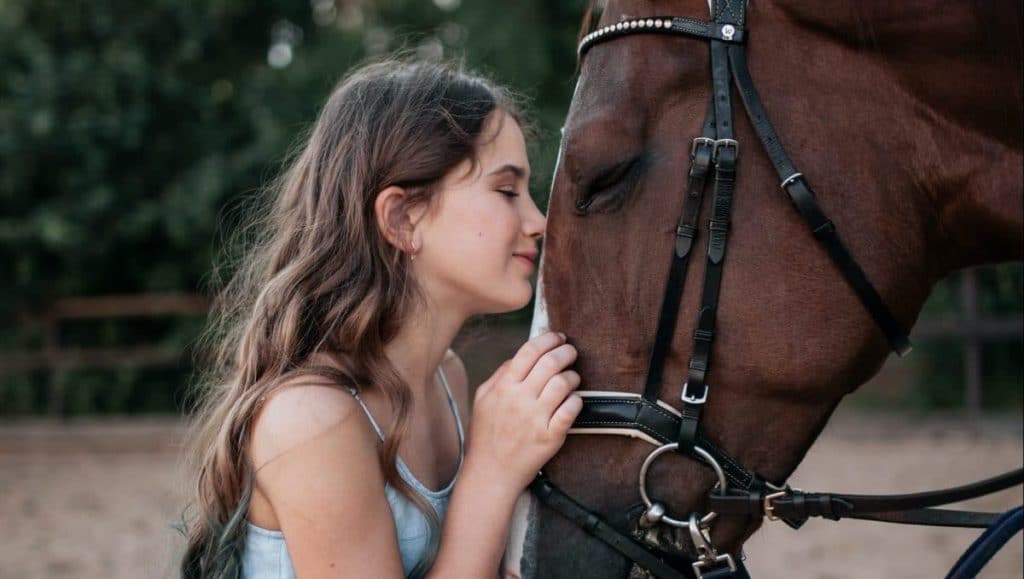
column 703, row 455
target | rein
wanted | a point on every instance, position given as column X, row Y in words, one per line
column 740, row 491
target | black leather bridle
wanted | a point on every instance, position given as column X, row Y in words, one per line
column 739, row 491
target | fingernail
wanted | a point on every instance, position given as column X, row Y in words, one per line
column 563, row 336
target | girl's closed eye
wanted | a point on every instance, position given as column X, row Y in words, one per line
column 508, row 192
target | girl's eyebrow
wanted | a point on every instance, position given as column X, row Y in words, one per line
column 516, row 170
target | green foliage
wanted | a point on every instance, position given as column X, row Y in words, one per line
column 131, row 129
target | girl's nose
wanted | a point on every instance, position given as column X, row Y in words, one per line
column 534, row 221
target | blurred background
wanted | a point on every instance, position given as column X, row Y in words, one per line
column 132, row 135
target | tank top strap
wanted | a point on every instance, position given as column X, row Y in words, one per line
column 455, row 410
column 451, row 404
column 366, row 410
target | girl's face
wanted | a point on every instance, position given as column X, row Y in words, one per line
column 478, row 242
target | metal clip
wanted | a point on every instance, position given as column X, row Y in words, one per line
column 708, row 556
column 703, row 563
column 728, row 31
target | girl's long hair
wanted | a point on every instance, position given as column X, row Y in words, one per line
column 316, row 275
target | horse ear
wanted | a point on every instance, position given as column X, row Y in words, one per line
column 393, row 219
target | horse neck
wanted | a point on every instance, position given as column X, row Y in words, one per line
column 960, row 62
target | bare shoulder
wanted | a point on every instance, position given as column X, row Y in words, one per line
column 302, row 411
column 455, row 371
column 316, row 459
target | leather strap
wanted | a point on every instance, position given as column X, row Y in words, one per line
column 701, row 155
column 629, row 547
column 915, row 508
column 636, row 413
column 695, row 390
column 803, row 198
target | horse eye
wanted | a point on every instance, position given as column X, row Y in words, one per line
column 609, row 189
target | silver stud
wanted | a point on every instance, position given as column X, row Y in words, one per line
column 728, row 31
column 650, row 23
column 666, row 23
column 657, row 23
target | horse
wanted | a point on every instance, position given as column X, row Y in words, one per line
column 907, row 119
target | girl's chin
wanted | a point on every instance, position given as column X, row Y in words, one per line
column 513, row 303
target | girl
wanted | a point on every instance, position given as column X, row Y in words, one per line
column 330, row 441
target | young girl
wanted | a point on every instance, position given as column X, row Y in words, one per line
column 333, row 440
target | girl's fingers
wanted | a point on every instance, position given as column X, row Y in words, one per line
column 529, row 354
column 566, row 413
column 549, row 365
column 557, row 389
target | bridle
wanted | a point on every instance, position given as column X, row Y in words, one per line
column 738, row 490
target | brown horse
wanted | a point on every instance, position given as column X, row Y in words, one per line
column 907, row 119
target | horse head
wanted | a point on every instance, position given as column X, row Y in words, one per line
column 905, row 118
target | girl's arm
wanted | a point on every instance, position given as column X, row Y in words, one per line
column 317, row 463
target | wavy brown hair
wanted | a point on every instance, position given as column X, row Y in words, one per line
column 317, row 276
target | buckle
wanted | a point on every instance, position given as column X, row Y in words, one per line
column 769, row 508
column 725, row 143
column 702, row 141
column 691, row 399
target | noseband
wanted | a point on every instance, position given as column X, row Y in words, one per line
column 738, row 491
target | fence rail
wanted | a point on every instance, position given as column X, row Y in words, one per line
column 969, row 326
column 59, row 360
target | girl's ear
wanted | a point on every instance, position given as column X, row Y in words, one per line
column 393, row 220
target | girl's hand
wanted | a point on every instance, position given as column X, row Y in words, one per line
column 522, row 413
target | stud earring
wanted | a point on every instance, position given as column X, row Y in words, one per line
column 413, row 252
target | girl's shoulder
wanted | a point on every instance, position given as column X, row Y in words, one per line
column 305, row 410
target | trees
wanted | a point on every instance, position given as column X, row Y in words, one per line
column 132, row 132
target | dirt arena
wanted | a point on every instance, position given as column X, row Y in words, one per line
column 100, row 499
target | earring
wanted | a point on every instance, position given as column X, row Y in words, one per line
column 413, row 252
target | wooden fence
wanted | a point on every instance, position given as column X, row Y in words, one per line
column 57, row 360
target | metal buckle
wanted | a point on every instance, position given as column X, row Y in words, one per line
column 691, row 399
column 726, row 143
column 769, row 509
column 702, row 141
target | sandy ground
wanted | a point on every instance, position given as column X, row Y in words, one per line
column 99, row 499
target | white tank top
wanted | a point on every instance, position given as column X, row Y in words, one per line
column 265, row 555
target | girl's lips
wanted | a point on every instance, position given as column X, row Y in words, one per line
column 526, row 260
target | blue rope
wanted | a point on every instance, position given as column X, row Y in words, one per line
column 988, row 544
